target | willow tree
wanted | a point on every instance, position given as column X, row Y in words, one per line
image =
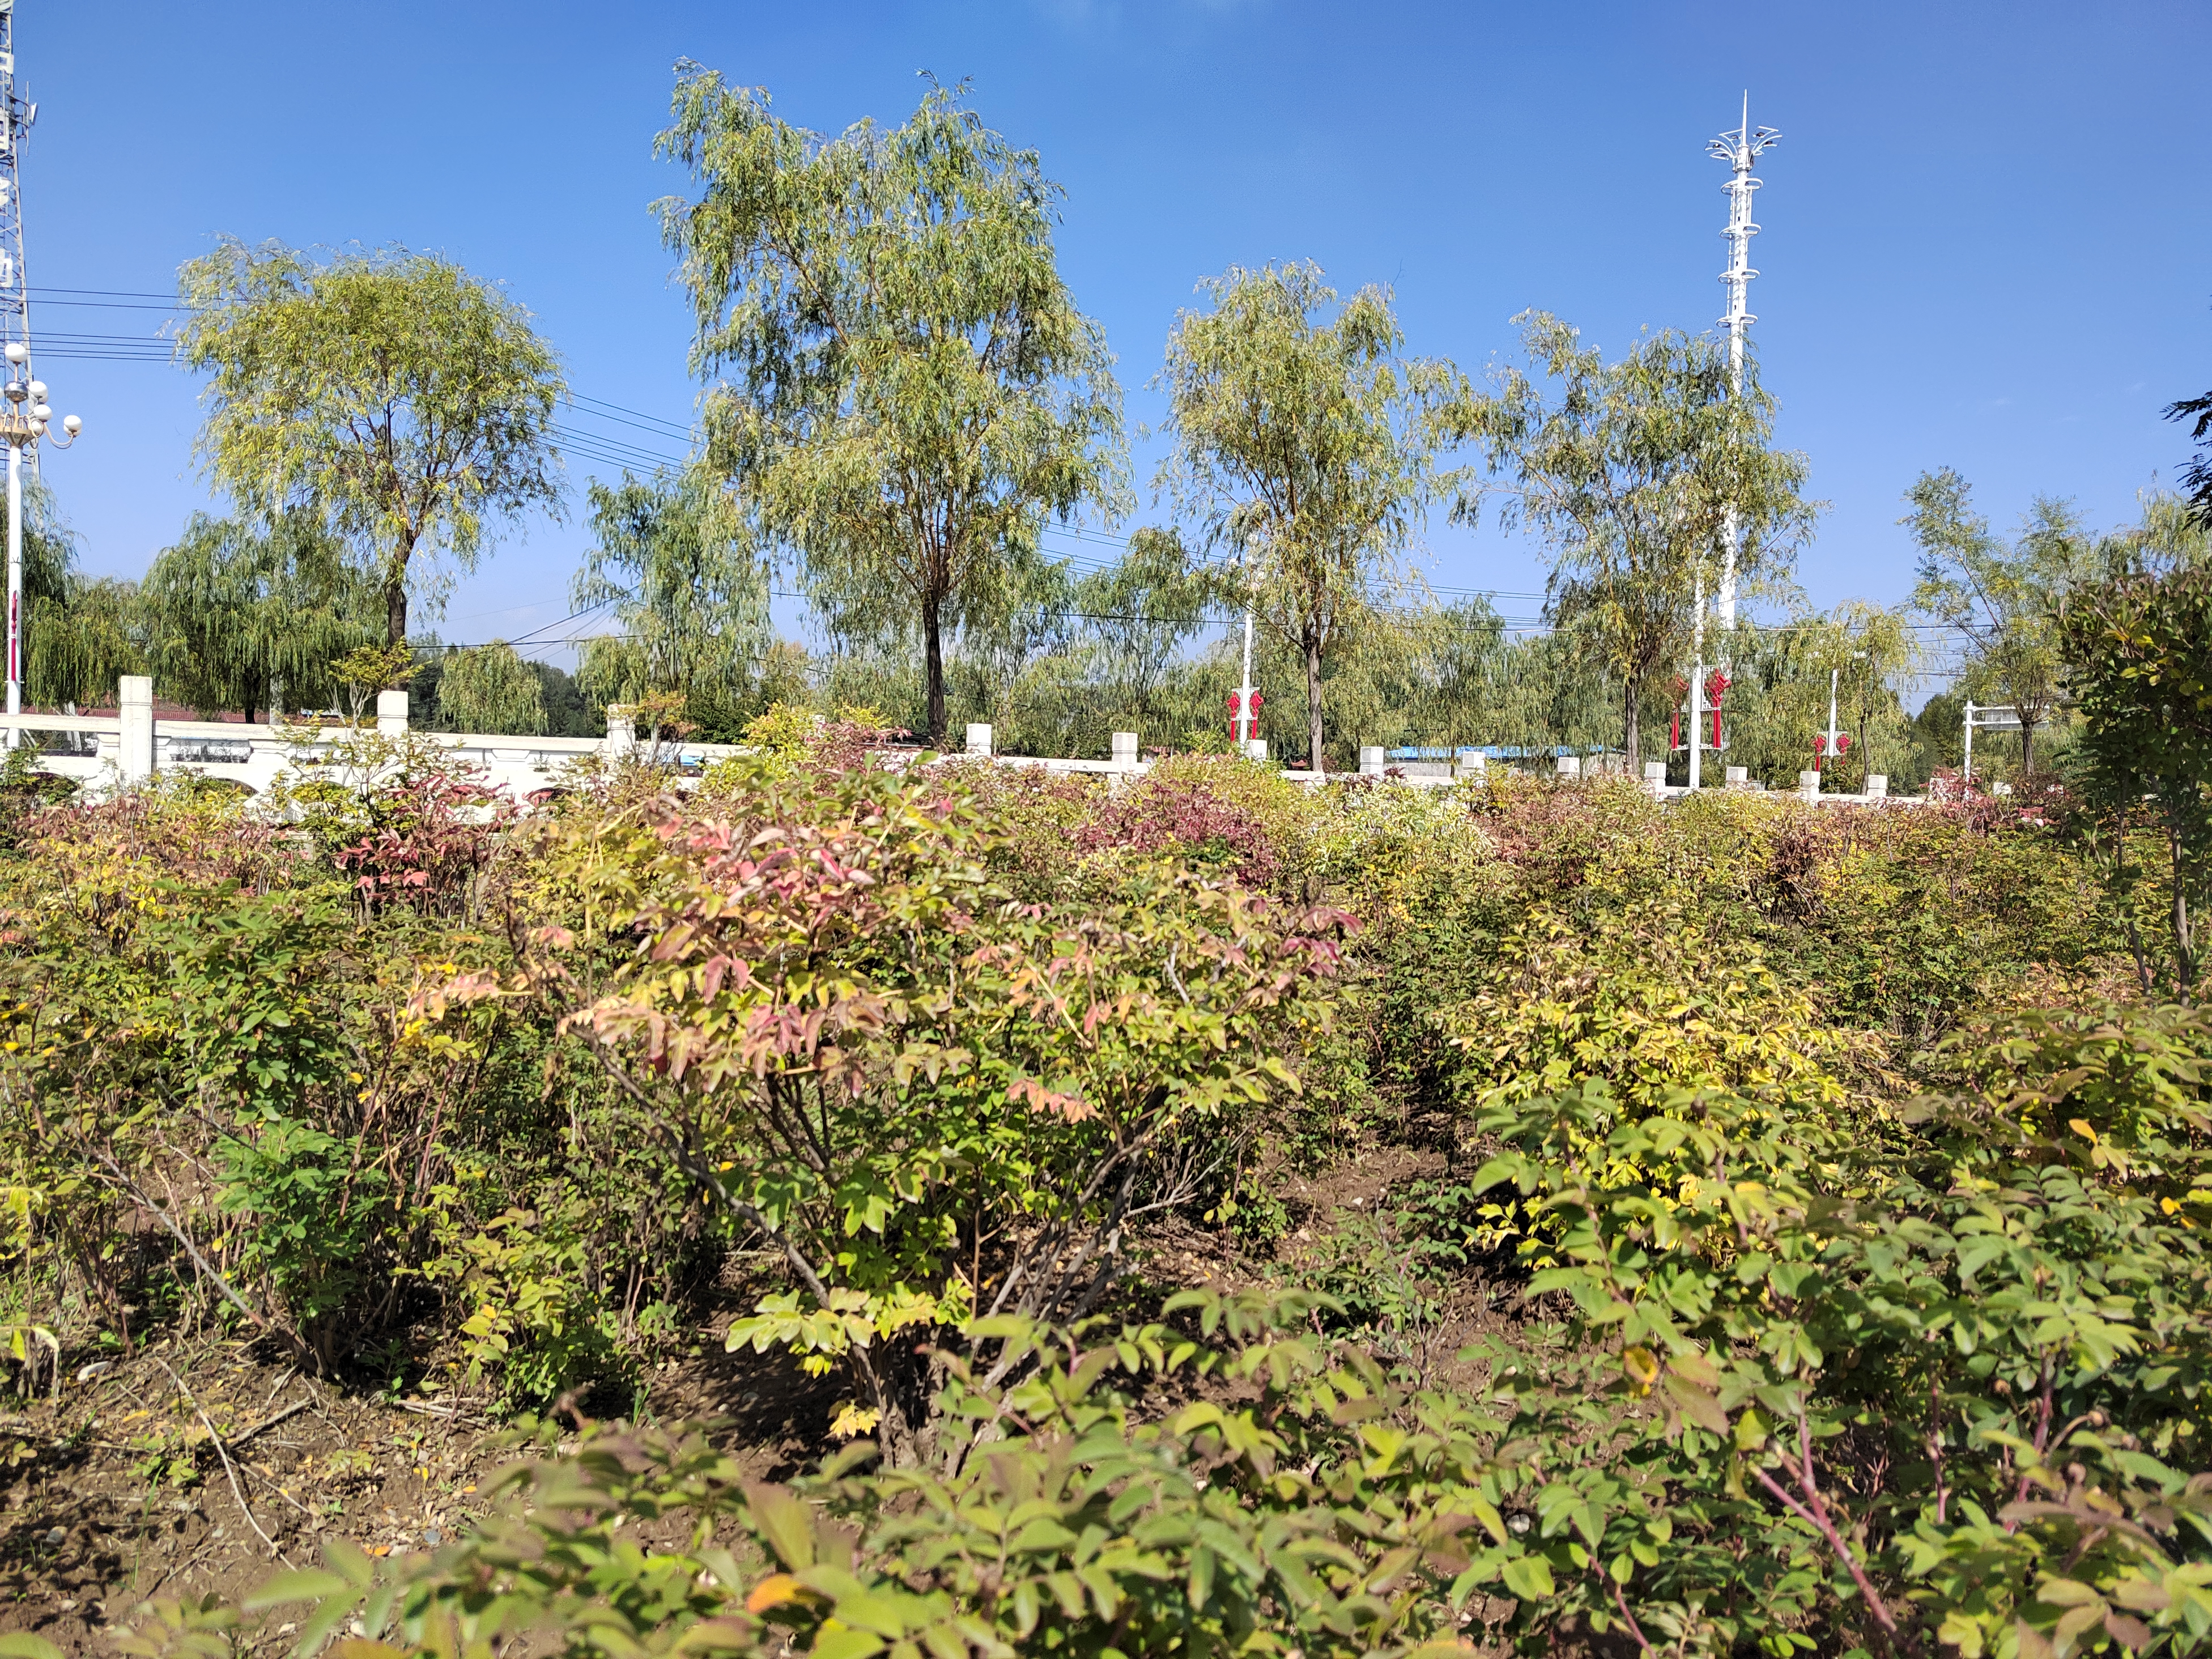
column 249, row 616
column 673, row 561
column 489, row 688
column 1627, row 471
column 407, row 402
column 1306, row 449
column 906, row 391
column 80, row 633
column 2003, row 597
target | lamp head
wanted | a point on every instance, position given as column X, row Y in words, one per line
column 17, row 351
column 42, row 412
column 38, row 391
column 71, row 425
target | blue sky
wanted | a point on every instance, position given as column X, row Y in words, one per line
column 1987, row 229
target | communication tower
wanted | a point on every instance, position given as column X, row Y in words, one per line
column 1739, row 150
column 26, row 415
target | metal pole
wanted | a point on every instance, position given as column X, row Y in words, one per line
column 1697, row 692
column 15, row 584
column 1967, row 772
column 1739, row 150
column 1245, row 690
column 1833, row 673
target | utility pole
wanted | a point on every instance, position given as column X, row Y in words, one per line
column 24, row 419
column 1739, row 150
column 1697, row 689
column 1247, row 714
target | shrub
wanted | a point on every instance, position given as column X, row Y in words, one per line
column 928, row 1097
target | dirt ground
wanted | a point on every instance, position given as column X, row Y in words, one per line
column 115, row 1491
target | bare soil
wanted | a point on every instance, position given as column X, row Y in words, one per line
column 114, row 1491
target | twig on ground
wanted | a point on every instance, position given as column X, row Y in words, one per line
column 222, row 1451
column 271, row 1420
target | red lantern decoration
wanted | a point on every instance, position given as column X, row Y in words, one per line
column 1238, row 714
column 1716, row 685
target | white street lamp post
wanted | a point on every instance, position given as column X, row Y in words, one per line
column 22, row 423
column 1245, row 722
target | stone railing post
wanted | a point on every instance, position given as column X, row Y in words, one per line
column 621, row 734
column 1808, row 784
column 133, row 701
column 979, row 739
column 1125, row 751
column 1655, row 778
column 1877, row 785
column 1371, row 760
column 1570, row 766
column 1476, row 765
column 1736, row 777
column 1255, row 748
column 392, row 713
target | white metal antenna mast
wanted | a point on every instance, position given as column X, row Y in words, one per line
column 14, row 337
column 1739, row 150
column 26, row 415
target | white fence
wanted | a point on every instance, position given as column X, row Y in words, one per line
column 130, row 746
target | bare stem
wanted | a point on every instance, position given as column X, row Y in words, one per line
column 222, row 1451
column 1814, row 1513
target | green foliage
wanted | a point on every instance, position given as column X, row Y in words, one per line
column 928, row 1098
column 535, row 1322
column 1630, row 474
column 404, row 402
column 1650, row 1003
column 2139, row 664
column 1804, row 1197
column 80, row 633
column 243, row 618
column 1329, row 1509
column 1937, row 1371
column 2197, row 476
column 2000, row 599
column 1781, row 683
column 488, row 688
column 244, row 971
column 317, row 1209
column 1307, row 449
column 689, row 596
column 912, row 391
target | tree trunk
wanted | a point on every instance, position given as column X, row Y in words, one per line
column 395, row 612
column 1632, row 714
column 933, row 665
column 1312, row 699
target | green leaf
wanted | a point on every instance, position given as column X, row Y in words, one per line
column 786, row 1521
column 1529, row 1577
column 305, row 1585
